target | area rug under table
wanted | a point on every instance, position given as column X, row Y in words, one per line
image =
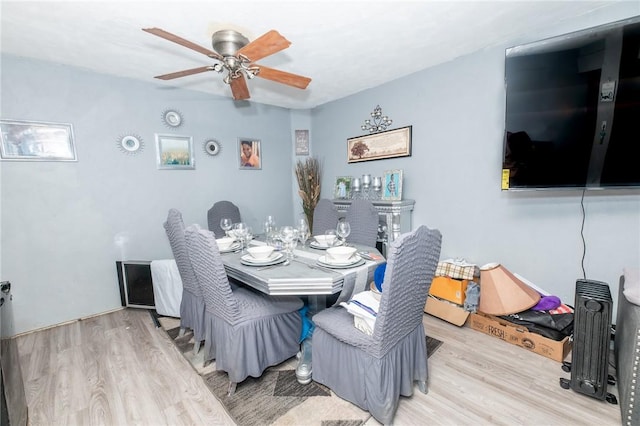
column 275, row 398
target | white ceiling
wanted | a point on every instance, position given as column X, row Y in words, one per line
column 344, row 47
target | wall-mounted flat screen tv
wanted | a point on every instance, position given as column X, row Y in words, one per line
column 573, row 110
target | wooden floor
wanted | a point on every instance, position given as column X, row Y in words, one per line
column 118, row 369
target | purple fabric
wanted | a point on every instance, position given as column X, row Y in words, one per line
column 547, row 303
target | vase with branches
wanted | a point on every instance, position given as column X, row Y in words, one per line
column 308, row 174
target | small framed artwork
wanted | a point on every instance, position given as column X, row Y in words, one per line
column 343, row 187
column 302, row 142
column 250, row 154
column 392, row 185
column 379, row 146
column 36, row 141
column 175, row 152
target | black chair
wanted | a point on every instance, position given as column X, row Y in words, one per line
column 372, row 371
column 219, row 210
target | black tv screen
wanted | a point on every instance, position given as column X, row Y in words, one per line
column 573, row 110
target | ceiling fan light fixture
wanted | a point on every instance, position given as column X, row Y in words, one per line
column 228, row 42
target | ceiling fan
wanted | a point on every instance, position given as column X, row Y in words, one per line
column 237, row 58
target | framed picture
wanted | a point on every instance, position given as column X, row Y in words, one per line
column 343, row 187
column 250, row 154
column 378, row 146
column 37, row 141
column 302, row 142
column 392, row 185
column 175, row 152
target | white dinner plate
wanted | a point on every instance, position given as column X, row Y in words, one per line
column 314, row 244
column 354, row 261
column 275, row 257
column 233, row 247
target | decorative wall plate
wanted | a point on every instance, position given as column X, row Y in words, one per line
column 130, row 144
column 212, row 147
column 172, row 118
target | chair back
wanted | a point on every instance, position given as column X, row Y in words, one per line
column 219, row 210
column 174, row 227
column 325, row 216
column 209, row 269
column 412, row 260
column 363, row 218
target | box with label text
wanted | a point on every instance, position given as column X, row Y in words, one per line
column 520, row 336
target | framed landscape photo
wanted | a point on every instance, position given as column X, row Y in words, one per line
column 343, row 187
column 392, row 185
column 174, row 152
column 379, row 146
column 250, row 154
column 36, row 141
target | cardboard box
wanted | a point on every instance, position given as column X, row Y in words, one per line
column 445, row 310
column 449, row 289
column 457, row 269
column 520, row 336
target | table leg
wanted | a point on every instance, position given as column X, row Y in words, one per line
column 303, row 370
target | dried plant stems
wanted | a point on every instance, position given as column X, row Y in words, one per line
column 308, row 175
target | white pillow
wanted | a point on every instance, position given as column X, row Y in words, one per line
column 632, row 285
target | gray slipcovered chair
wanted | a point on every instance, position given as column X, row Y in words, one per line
column 192, row 303
column 247, row 331
column 373, row 371
column 363, row 218
column 219, row 210
column 325, row 216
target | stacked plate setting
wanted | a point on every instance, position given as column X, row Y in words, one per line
column 273, row 259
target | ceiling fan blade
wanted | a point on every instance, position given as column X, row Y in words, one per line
column 184, row 73
column 283, row 77
column 265, row 45
column 182, row 42
column 239, row 88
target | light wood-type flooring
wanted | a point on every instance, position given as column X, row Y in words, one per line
column 119, row 369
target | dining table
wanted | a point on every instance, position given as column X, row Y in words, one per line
column 304, row 274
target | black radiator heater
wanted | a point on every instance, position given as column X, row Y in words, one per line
column 591, row 335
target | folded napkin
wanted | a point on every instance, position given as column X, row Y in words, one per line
column 364, row 308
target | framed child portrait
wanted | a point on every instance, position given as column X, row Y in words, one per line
column 250, row 154
column 343, row 187
column 392, row 185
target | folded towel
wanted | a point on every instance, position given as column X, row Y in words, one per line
column 364, row 308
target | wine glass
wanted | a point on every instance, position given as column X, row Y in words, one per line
column 343, row 230
column 240, row 230
column 303, row 230
column 226, row 224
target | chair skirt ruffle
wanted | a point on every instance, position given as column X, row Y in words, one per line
column 374, row 384
column 192, row 314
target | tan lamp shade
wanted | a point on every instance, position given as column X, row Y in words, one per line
column 501, row 293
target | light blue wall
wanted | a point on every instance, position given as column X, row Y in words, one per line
column 456, row 111
column 65, row 224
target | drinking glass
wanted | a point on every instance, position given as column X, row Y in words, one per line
column 343, row 230
column 226, row 224
column 303, row 230
column 289, row 236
